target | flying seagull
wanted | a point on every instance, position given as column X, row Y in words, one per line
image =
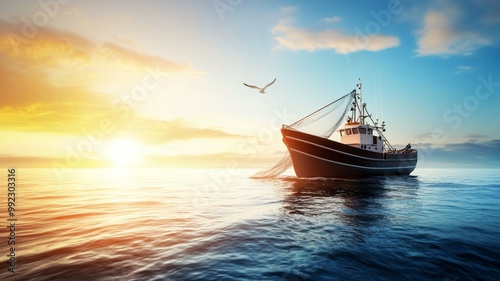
column 261, row 90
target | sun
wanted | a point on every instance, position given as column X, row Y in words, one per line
column 124, row 152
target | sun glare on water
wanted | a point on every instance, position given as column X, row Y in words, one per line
column 124, row 152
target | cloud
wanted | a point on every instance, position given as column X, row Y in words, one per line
column 21, row 89
column 164, row 131
column 332, row 20
column 46, row 162
column 71, row 58
column 52, row 47
column 127, row 56
column 73, row 11
column 475, row 137
column 464, row 68
column 295, row 39
column 76, row 119
column 481, row 154
column 213, row 160
column 444, row 32
column 288, row 36
column 288, row 9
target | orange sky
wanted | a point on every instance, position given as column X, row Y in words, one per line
column 63, row 94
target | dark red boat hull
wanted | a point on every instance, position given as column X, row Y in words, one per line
column 314, row 156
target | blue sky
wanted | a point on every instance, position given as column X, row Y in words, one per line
column 430, row 69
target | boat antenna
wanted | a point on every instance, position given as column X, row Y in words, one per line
column 380, row 129
column 362, row 113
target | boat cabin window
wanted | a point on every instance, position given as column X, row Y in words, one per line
column 362, row 130
column 348, row 131
column 341, row 132
column 370, row 131
column 355, row 131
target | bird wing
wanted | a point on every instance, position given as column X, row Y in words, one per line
column 269, row 84
column 251, row 86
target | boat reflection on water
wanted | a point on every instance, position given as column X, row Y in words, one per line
column 355, row 202
column 339, row 226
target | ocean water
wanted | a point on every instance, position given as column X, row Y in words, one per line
column 169, row 224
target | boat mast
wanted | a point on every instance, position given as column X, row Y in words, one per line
column 362, row 109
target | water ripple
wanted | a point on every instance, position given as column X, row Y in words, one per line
column 115, row 225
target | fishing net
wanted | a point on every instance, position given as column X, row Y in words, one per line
column 322, row 123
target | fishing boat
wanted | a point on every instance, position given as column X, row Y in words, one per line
column 362, row 151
